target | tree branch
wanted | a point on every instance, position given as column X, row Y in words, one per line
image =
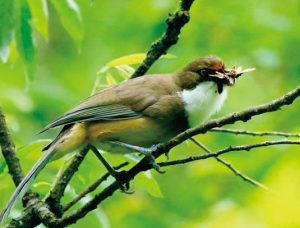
column 9, row 153
column 174, row 22
column 91, row 188
column 15, row 170
column 143, row 165
column 229, row 166
column 253, row 133
column 35, row 213
column 227, row 150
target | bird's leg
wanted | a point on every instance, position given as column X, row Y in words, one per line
column 118, row 175
column 147, row 152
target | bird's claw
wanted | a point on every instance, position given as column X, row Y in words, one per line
column 122, row 181
column 151, row 159
column 167, row 154
column 154, row 165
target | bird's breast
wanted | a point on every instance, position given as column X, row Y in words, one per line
column 202, row 102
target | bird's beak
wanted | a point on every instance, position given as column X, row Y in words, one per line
column 228, row 75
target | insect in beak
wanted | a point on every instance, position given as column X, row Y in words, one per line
column 228, row 76
column 236, row 72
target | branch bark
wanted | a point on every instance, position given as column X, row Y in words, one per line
column 9, row 153
column 13, row 164
column 254, row 133
column 227, row 150
column 91, row 188
column 230, row 167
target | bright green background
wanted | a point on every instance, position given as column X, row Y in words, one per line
column 261, row 34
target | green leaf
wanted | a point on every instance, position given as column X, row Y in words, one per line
column 24, row 38
column 13, row 53
column 110, row 80
column 146, row 181
column 40, row 15
column 133, row 59
column 7, row 18
column 70, row 17
column 125, row 70
column 127, row 60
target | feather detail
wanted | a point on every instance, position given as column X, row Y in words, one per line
column 202, row 102
column 101, row 112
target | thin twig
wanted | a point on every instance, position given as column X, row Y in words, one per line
column 174, row 22
column 254, row 133
column 228, row 165
column 35, row 213
column 227, row 150
column 91, row 188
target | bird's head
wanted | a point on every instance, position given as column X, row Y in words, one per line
column 212, row 68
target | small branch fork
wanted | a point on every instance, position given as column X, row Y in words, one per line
column 230, row 167
column 229, row 149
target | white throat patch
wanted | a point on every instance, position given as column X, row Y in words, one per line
column 202, row 102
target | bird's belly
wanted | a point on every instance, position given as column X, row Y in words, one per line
column 142, row 132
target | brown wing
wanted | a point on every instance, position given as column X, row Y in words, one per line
column 130, row 99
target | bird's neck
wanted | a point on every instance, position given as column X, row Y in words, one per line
column 202, row 102
column 186, row 80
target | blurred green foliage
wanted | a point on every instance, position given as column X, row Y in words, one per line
column 63, row 44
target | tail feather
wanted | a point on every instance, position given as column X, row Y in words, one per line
column 26, row 182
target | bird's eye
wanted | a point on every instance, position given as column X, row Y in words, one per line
column 203, row 72
column 206, row 72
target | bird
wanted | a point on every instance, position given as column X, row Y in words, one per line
column 137, row 114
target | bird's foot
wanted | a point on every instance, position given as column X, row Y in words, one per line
column 167, row 154
column 122, row 181
column 120, row 176
column 147, row 152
